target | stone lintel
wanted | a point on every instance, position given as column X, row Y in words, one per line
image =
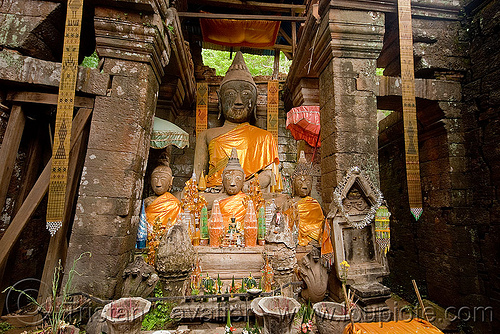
column 442, row 9
column 132, row 36
column 430, row 89
column 31, row 71
column 306, row 93
column 348, row 34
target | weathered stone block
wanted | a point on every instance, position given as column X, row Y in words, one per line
column 102, row 160
column 113, row 206
column 123, row 111
column 123, row 138
column 101, row 245
column 89, row 223
column 96, row 286
column 92, row 81
column 110, row 183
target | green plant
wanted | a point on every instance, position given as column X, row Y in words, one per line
column 242, row 288
column 307, row 314
column 159, row 316
column 4, row 327
column 208, row 284
column 91, row 61
column 250, row 282
column 55, row 308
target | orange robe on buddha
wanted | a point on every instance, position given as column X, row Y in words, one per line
column 256, row 150
column 234, row 206
column 163, row 208
column 310, row 220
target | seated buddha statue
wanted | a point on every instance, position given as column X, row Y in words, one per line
column 164, row 207
column 234, row 204
column 257, row 149
column 303, row 209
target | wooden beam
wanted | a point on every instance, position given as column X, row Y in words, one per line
column 46, row 98
column 8, row 151
column 36, row 195
column 276, row 64
column 34, row 157
column 58, row 245
column 285, row 36
column 269, row 6
column 242, row 17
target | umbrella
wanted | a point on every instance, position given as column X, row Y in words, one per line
column 166, row 133
column 303, row 123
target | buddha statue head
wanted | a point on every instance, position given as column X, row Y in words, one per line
column 238, row 92
column 161, row 179
column 302, row 178
column 233, row 176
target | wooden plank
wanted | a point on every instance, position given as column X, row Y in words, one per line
column 58, row 245
column 33, row 165
column 8, row 151
column 36, row 195
column 269, row 6
column 47, row 98
column 242, row 17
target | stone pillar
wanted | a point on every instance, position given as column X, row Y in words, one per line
column 135, row 50
column 349, row 44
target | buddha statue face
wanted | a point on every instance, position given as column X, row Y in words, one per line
column 302, row 185
column 161, row 179
column 237, row 100
column 233, row 181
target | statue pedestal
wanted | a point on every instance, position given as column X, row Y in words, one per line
column 229, row 261
column 371, row 300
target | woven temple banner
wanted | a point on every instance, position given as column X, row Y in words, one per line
column 201, row 107
column 272, row 108
column 409, row 108
column 64, row 117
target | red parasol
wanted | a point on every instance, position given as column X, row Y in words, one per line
column 303, row 123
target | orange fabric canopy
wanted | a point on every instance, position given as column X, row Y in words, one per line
column 249, row 33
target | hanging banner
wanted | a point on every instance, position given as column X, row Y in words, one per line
column 64, row 116
column 272, row 108
column 201, row 106
column 409, row 108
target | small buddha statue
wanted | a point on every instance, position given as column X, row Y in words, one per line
column 163, row 207
column 257, row 149
column 233, row 206
column 303, row 209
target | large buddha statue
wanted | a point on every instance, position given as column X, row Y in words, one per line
column 234, row 205
column 164, row 207
column 305, row 210
column 257, row 149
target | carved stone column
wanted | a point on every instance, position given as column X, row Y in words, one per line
column 135, row 49
column 349, row 42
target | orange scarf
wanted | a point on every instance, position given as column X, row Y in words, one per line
column 256, row 150
column 163, row 208
column 234, row 206
column 310, row 220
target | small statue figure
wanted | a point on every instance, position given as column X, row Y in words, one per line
column 232, row 180
column 304, row 210
column 161, row 210
column 256, row 147
column 164, row 206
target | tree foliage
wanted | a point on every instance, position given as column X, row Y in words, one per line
column 258, row 65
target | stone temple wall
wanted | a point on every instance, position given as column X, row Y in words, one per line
column 482, row 137
column 453, row 249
